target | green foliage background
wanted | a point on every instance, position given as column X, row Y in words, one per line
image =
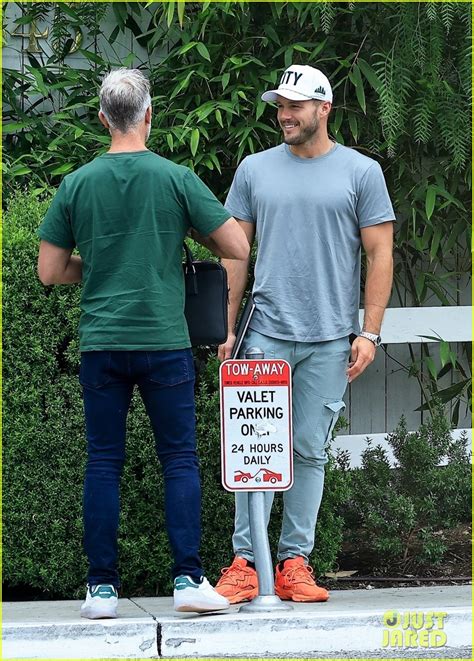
column 401, row 75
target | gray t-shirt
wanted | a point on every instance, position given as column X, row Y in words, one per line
column 308, row 215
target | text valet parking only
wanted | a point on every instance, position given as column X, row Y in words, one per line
column 256, row 425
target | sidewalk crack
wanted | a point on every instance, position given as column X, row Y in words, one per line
column 159, row 634
column 142, row 609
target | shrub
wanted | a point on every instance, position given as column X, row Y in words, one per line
column 398, row 513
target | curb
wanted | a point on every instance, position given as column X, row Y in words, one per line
column 430, row 623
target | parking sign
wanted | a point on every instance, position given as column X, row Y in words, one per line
column 256, row 432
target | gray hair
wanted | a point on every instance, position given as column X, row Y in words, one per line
column 124, row 97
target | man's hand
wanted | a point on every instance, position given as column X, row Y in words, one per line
column 362, row 354
column 225, row 350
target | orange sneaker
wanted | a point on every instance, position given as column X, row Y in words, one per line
column 295, row 582
column 238, row 582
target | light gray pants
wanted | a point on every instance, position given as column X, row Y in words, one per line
column 319, row 381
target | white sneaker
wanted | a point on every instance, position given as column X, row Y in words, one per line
column 101, row 601
column 191, row 597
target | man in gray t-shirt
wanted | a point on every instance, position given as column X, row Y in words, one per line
column 312, row 204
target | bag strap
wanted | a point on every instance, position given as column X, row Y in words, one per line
column 190, row 271
column 188, row 264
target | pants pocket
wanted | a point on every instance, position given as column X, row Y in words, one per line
column 170, row 368
column 95, row 368
column 333, row 411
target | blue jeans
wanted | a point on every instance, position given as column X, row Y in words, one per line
column 166, row 383
column 319, row 380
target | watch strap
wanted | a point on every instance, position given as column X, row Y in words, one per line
column 375, row 339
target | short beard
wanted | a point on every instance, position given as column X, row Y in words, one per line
column 305, row 135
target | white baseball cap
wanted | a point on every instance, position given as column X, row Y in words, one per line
column 300, row 83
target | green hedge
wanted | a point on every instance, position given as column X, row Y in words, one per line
column 45, row 450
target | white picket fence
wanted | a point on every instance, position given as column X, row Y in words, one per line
column 401, row 326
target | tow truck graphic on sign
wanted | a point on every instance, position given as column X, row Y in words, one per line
column 268, row 476
column 256, row 425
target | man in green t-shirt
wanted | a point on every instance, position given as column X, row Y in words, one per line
column 127, row 212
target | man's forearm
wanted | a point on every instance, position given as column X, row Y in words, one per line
column 378, row 286
column 71, row 274
column 237, row 276
column 206, row 241
column 228, row 241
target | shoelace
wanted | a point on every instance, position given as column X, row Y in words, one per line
column 238, row 571
column 301, row 574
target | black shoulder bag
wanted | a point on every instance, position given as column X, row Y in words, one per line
column 206, row 300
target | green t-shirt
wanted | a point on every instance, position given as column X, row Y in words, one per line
column 128, row 213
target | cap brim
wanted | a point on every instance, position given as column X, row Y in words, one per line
column 272, row 95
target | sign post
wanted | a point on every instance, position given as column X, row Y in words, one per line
column 257, row 453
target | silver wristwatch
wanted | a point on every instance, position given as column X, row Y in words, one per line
column 376, row 339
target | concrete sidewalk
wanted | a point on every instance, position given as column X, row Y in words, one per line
column 431, row 622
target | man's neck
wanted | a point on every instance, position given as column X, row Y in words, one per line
column 312, row 149
column 128, row 142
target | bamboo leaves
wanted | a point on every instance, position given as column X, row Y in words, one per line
column 194, row 141
column 216, row 59
column 430, row 201
column 369, row 74
column 64, row 168
column 356, row 80
column 180, row 12
column 203, row 51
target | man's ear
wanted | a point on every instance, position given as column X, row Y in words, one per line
column 103, row 119
column 148, row 115
column 325, row 108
